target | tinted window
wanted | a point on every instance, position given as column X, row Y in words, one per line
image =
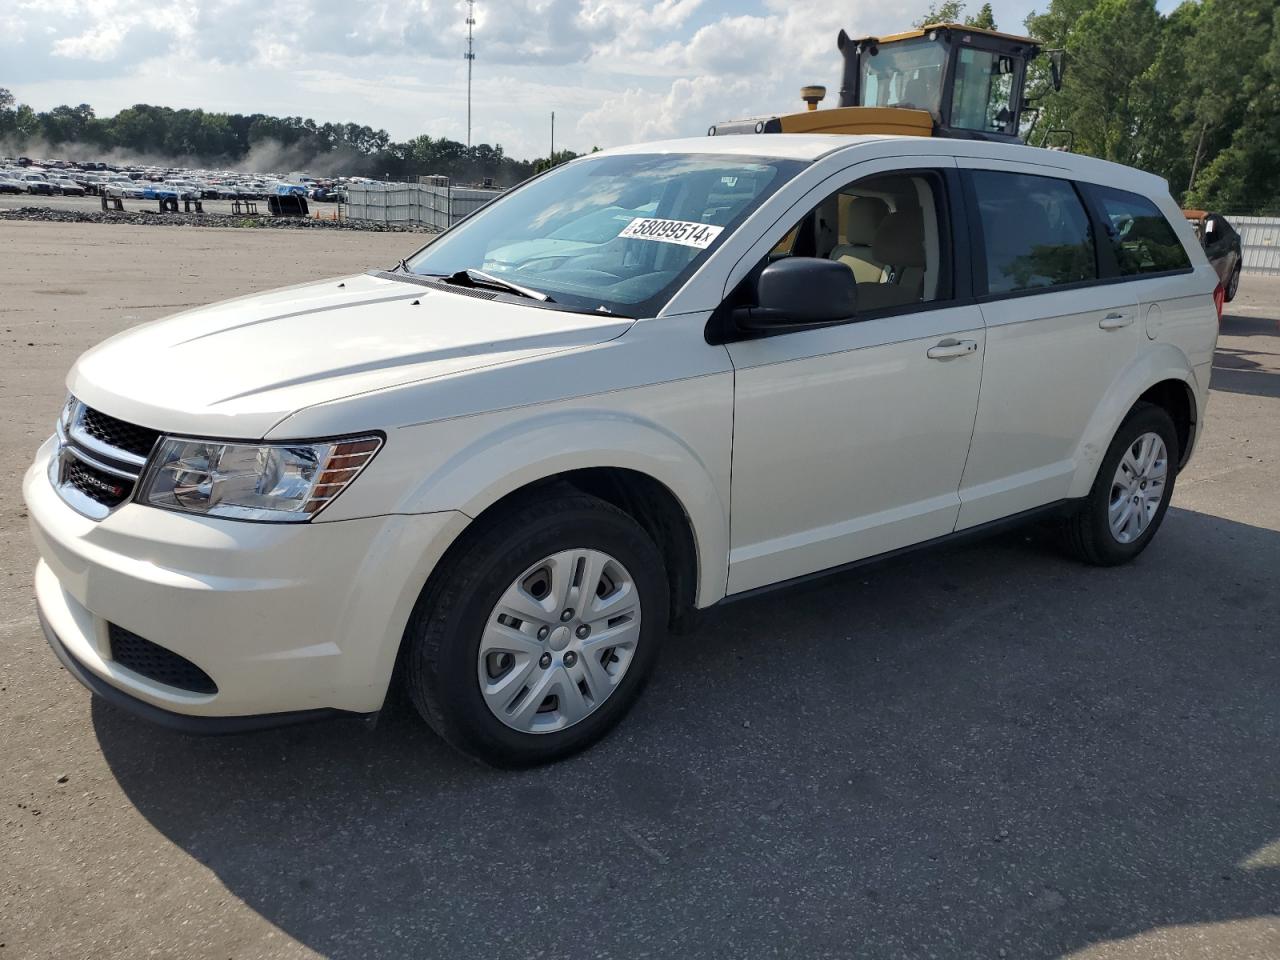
column 983, row 92
column 1035, row 232
column 1142, row 238
column 887, row 230
column 904, row 74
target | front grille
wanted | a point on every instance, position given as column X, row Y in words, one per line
column 99, row 459
column 156, row 663
column 116, row 433
column 97, row 485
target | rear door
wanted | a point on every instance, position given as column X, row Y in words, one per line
column 1059, row 331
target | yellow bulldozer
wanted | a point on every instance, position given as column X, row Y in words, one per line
column 940, row 80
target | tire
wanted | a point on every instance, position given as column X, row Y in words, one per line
column 456, row 616
column 1089, row 531
column 1233, row 284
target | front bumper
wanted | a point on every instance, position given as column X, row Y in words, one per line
column 285, row 618
column 179, row 721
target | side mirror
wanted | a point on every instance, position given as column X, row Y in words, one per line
column 1057, row 67
column 799, row 292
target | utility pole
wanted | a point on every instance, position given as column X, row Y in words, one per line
column 553, row 138
column 470, row 57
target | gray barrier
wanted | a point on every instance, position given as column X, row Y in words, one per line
column 1260, row 241
column 429, row 204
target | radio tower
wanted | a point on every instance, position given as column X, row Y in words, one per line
column 470, row 57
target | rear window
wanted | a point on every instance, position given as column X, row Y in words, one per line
column 1035, row 232
column 1142, row 238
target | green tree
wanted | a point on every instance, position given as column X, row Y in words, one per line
column 557, row 158
column 1243, row 176
column 1110, row 47
column 946, row 11
column 984, row 18
column 1221, row 90
column 952, row 11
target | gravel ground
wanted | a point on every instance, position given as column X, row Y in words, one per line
column 984, row 750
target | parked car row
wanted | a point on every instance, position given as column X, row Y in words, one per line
column 38, row 183
column 48, row 177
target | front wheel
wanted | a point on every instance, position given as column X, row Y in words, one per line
column 1131, row 493
column 541, row 631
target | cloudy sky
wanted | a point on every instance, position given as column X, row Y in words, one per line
column 614, row 71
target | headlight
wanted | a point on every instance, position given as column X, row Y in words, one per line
column 286, row 482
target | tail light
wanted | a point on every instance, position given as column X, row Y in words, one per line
column 1220, row 299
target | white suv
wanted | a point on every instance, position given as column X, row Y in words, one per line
column 643, row 383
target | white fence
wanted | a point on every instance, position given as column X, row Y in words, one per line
column 1260, row 243
column 432, row 205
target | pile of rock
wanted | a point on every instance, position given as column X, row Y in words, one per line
column 155, row 218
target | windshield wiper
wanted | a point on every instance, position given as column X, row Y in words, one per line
column 469, row 277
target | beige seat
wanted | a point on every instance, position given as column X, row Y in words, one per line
column 860, row 218
column 899, row 244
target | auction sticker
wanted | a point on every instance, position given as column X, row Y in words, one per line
column 683, row 232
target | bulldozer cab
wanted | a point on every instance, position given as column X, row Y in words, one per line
column 943, row 79
column 970, row 81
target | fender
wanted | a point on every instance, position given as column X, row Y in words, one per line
column 1157, row 362
column 514, row 453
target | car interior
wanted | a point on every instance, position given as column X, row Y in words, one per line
column 885, row 230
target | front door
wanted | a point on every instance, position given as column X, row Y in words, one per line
column 850, row 441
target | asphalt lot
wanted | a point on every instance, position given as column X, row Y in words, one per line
column 986, row 750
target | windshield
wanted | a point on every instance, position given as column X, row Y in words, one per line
column 619, row 232
column 907, row 73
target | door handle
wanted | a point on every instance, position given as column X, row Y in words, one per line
column 1114, row 321
column 950, row 349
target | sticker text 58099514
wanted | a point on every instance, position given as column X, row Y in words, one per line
column 683, row 232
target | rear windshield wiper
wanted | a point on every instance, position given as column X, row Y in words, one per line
column 469, row 277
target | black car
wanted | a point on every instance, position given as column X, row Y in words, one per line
column 1221, row 245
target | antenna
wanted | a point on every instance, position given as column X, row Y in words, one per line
column 470, row 58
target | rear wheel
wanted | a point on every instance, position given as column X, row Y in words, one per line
column 1131, row 492
column 1233, row 284
column 542, row 633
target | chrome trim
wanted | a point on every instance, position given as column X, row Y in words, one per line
column 77, row 501
column 93, row 444
column 97, row 464
column 86, row 441
column 75, row 443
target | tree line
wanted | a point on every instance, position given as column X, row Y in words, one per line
column 1192, row 95
column 258, row 142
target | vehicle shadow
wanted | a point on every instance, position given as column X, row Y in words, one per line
column 977, row 749
column 1239, row 367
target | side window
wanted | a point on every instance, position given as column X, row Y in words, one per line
column 1035, row 232
column 1142, row 238
column 889, row 231
column 983, row 92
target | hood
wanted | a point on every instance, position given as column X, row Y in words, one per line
column 238, row 368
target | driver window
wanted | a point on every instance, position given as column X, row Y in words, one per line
column 886, row 231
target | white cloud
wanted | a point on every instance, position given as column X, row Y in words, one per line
column 613, row 70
